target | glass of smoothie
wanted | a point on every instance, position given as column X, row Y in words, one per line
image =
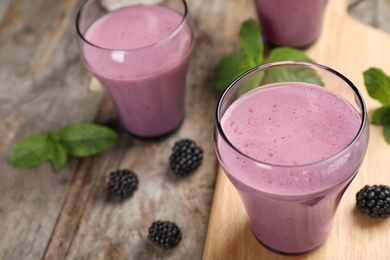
column 139, row 51
column 291, row 146
column 293, row 23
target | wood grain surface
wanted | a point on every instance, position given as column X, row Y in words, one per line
column 349, row 47
column 66, row 214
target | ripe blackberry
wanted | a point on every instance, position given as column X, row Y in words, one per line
column 122, row 183
column 374, row 201
column 165, row 234
column 186, row 157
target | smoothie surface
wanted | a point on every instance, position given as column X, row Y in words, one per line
column 290, row 124
column 134, row 27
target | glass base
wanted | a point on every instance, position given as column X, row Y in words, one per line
column 281, row 252
column 156, row 137
column 303, row 47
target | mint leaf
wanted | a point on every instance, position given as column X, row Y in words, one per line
column 251, row 55
column 229, row 68
column 291, row 74
column 236, row 63
column 251, row 41
column 386, row 133
column 31, row 151
column 80, row 139
column 287, row 53
column 381, row 116
column 251, row 82
column 83, row 139
column 57, row 152
column 377, row 85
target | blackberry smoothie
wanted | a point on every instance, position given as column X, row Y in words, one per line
column 294, row 23
column 282, row 151
column 140, row 55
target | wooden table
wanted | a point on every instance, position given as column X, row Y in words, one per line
column 44, row 86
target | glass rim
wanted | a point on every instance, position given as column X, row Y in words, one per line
column 292, row 62
column 154, row 44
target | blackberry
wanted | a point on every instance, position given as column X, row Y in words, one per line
column 186, row 157
column 374, row 201
column 165, row 234
column 122, row 183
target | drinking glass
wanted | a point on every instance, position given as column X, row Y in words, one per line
column 293, row 23
column 291, row 206
column 139, row 51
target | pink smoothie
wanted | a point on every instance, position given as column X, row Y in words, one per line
column 285, row 133
column 140, row 55
column 294, row 23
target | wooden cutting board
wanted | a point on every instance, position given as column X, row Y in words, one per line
column 351, row 48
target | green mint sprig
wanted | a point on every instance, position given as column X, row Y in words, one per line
column 252, row 55
column 378, row 87
column 79, row 140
